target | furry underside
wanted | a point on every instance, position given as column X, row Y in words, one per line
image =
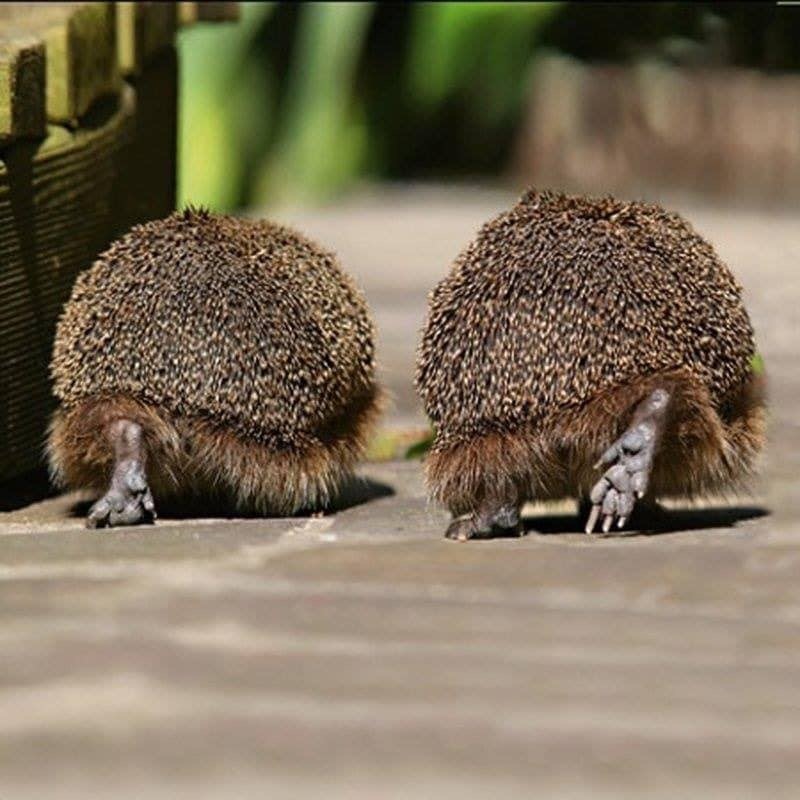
column 705, row 449
column 192, row 456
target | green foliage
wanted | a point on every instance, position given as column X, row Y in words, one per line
column 481, row 46
column 419, row 449
column 757, row 366
column 322, row 137
column 296, row 101
column 217, row 84
column 274, row 108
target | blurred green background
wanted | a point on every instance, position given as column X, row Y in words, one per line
column 297, row 102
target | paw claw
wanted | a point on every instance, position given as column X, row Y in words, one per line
column 629, row 461
column 148, row 503
column 482, row 525
column 116, row 508
column 593, row 517
column 98, row 514
column 461, row 530
column 599, row 490
column 610, row 502
column 639, row 483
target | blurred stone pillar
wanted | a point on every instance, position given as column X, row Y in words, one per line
column 728, row 135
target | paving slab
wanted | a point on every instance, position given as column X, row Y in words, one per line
column 359, row 654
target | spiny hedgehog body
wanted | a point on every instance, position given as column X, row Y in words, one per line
column 204, row 354
column 576, row 329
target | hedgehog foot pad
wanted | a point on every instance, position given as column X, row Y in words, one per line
column 630, row 461
column 486, row 524
column 128, row 500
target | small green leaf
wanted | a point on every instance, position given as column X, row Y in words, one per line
column 420, row 448
column 757, row 364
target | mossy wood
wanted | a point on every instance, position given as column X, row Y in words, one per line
column 143, row 30
column 81, row 52
column 88, row 98
column 22, row 82
column 189, row 13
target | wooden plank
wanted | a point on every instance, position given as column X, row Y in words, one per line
column 149, row 165
column 81, row 53
column 22, row 87
column 81, row 60
column 143, row 30
column 56, row 204
column 189, row 13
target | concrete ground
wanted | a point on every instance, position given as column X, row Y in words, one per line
column 360, row 655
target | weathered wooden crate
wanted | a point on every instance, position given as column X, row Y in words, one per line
column 88, row 110
column 730, row 135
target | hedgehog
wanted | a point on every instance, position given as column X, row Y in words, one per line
column 586, row 348
column 203, row 356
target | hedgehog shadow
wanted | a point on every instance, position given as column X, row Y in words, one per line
column 355, row 492
column 23, row 490
column 665, row 521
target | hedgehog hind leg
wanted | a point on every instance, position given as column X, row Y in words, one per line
column 489, row 521
column 128, row 500
column 630, row 463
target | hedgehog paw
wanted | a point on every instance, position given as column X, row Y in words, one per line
column 631, row 459
column 500, row 522
column 127, row 502
column 464, row 528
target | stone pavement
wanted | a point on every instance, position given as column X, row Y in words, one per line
column 360, row 655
